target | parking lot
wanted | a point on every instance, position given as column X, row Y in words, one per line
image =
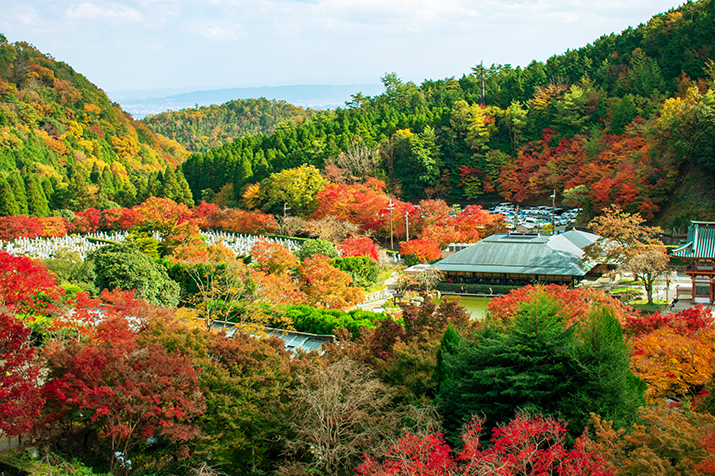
column 535, row 218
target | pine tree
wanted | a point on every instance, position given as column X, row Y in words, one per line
column 49, row 188
column 169, row 186
column 8, row 205
column 246, row 172
column 185, row 195
column 537, row 362
column 604, row 383
column 37, row 203
column 18, row 188
column 451, row 340
column 95, row 174
column 106, row 184
column 78, row 188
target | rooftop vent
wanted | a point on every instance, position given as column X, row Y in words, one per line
column 524, row 236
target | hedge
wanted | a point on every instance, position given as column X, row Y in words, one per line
column 324, row 321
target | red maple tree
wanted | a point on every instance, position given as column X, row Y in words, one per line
column 124, row 390
column 20, row 400
column 26, row 286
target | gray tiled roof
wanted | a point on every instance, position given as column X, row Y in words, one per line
column 524, row 253
column 293, row 340
column 700, row 242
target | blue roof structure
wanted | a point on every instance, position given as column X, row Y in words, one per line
column 700, row 242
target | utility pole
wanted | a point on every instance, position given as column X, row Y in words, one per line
column 407, row 223
column 407, row 226
column 553, row 212
column 390, row 206
column 484, row 96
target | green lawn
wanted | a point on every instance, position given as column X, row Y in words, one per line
column 642, row 304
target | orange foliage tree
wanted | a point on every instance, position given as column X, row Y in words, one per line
column 279, row 288
column 664, row 441
column 366, row 205
column 439, row 223
column 623, row 235
column 326, row 286
column 273, row 257
column 241, row 221
column 423, row 250
column 575, row 304
column 178, row 233
column 354, row 246
column 673, row 354
column 54, row 226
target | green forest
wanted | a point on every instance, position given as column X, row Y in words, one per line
column 154, row 273
column 203, row 128
column 626, row 120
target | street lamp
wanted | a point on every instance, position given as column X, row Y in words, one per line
column 285, row 208
column 390, row 206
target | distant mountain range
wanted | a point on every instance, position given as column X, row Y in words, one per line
column 316, row 96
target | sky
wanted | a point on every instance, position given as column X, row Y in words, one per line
column 128, row 45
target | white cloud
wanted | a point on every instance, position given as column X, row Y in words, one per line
column 104, row 11
column 146, row 43
column 21, row 14
column 217, row 32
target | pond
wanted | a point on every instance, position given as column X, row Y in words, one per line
column 476, row 306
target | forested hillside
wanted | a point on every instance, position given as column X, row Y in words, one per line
column 625, row 120
column 202, row 128
column 65, row 145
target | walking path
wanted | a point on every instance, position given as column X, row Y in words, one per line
column 661, row 292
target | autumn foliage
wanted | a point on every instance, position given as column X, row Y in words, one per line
column 26, row 286
column 527, row 445
column 423, row 250
column 123, row 389
column 326, row 286
column 354, row 246
column 20, row 400
column 575, row 303
column 673, row 353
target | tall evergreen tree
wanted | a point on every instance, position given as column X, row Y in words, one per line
column 95, row 174
column 169, row 186
column 106, row 184
column 451, row 340
column 8, row 205
column 185, row 196
column 603, row 381
column 536, row 362
column 37, row 203
column 18, row 188
column 48, row 188
column 77, row 188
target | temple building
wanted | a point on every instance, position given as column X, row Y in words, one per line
column 519, row 259
column 699, row 250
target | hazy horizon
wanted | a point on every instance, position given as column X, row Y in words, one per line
column 182, row 45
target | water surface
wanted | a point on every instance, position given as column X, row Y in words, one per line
column 476, row 306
